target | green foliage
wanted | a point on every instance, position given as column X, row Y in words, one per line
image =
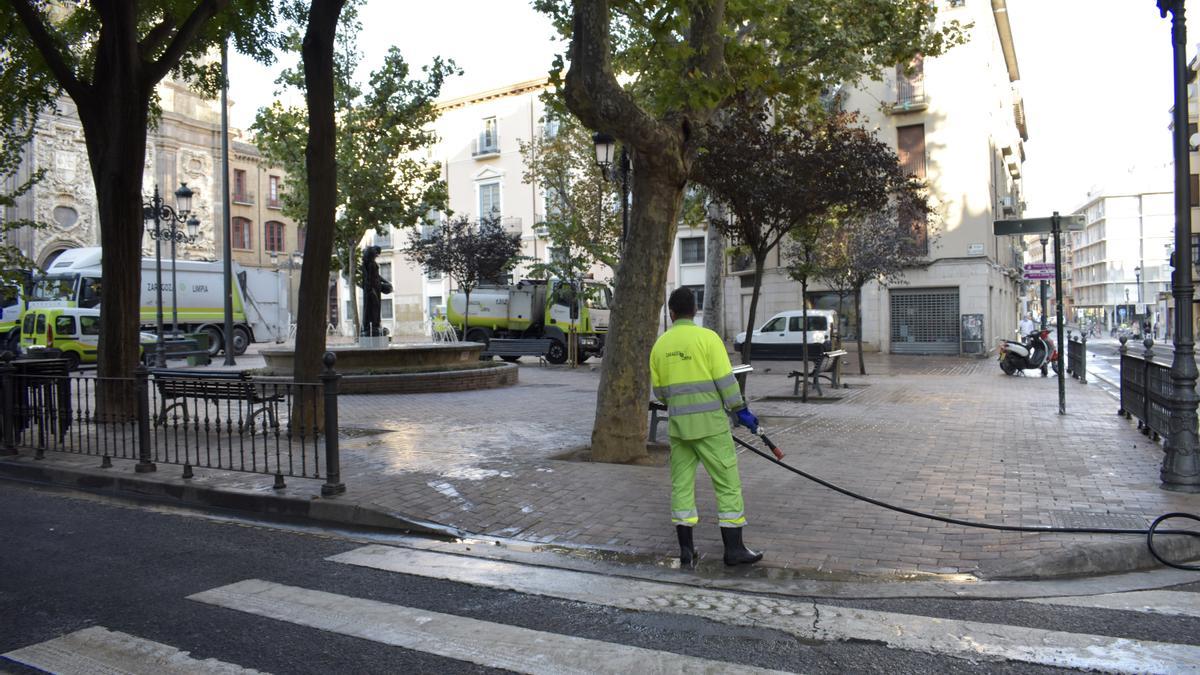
column 469, row 253
column 381, row 129
column 781, row 50
column 583, row 214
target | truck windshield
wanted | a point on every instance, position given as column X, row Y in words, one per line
column 599, row 296
column 50, row 288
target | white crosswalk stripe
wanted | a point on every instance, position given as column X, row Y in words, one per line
column 1172, row 603
column 494, row 645
column 804, row 619
column 99, row 650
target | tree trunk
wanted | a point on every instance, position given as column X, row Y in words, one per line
column 320, row 160
column 804, row 336
column 352, row 284
column 714, row 299
column 619, row 433
column 760, row 261
column 862, row 366
column 466, row 312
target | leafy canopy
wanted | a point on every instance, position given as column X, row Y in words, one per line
column 469, row 253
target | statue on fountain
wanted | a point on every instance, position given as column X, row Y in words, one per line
column 373, row 286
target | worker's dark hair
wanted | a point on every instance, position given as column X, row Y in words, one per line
column 682, row 302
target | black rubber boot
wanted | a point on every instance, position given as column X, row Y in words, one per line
column 687, row 550
column 736, row 552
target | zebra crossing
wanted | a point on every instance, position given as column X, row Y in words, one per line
column 497, row 644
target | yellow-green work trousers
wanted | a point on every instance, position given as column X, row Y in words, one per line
column 720, row 461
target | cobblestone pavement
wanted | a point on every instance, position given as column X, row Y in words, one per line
column 947, row 435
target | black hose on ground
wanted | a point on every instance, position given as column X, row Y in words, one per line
column 1147, row 532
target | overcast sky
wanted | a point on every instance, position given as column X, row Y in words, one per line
column 1095, row 75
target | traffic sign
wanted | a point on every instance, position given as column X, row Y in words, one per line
column 1038, row 225
column 1038, row 275
column 1033, row 266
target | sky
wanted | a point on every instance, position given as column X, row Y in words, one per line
column 1095, row 76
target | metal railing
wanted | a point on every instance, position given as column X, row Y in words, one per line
column 215, row 420
column 1077, row 357
column 1145, row 389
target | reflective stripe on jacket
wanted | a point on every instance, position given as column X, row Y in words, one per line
column 691, row 373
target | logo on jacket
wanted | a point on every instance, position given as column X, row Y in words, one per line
column 681, row 355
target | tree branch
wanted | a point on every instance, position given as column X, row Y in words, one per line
column 48, row 47
column 154, row 38
column 592, row 91
column 156, row 70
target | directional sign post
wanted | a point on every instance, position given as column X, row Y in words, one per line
column 1053, row 225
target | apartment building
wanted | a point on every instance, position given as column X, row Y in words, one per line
column 958, row 122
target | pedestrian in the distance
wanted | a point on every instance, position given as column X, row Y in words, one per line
column 1027, row 325
column 691, row 373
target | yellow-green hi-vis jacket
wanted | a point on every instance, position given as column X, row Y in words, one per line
column 691, row 373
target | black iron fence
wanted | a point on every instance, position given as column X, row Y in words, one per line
column 1145, row 388
column 1077, row 357
column 215, row 420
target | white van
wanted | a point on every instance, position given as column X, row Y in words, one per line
column 782, row 338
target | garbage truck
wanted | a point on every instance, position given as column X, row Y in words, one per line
column 74, row 280
column 536, row 308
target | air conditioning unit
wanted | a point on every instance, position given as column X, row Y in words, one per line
column 1008, row 205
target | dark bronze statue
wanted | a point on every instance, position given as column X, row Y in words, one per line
column 373, row 286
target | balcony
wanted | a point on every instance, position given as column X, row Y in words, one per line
column 487, row 145
column 907, row 95
column 741, row 263
column 511, row 224
column 275, row 203
column 244, row 198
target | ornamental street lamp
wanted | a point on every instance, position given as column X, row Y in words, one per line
column 605, row 146
column 1181, row 464
column 1137, row 276
column 154, row 214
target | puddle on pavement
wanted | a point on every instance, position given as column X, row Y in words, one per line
column 359, row 432
column 657, row 454
column 798, row 399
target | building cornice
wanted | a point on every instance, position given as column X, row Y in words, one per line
column 517, row 89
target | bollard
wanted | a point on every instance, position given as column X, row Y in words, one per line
column 142, row 377
column 1121, row 350
column 1083, row 358
column 8, row 405
column 333, row 471
column 1147, row 364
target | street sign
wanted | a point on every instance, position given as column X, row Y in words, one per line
column 1038, row 275
column 1038, row 225
column 1034, row 266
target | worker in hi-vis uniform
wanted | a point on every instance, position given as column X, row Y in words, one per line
column 691, row 374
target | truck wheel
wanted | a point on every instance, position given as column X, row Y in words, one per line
column 479, row 335
column 11, row 341
column 557, row 354
column 215, row 340
column 241, row 340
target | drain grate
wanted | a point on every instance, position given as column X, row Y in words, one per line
column 1125, row 521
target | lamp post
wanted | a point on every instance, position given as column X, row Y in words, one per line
column 1181, row 465
column 1043, row 288
column 605, row 146
column 1137, row 277
column 154, row 214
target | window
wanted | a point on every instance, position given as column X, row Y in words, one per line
column 385, row 271
column 433, row 275
column 910, row 147
column 89, row 292
column 1196, row 251
column 489, row 200
column 691, row 250
column 274, row 236
column 434, row 301
column 910, row 82
column 490, row 139
column 240, row 229
column 64, row 325
column 776, row 325
column 273, row 195
column 1194, row 190
column 918, row 227
column 27, row 327
column 89, row 325
column 239, row 187
column 698, row 291
column 384, row 241
column 333, row 306
column 385, row 308
column 301, row 234
column 814, row 323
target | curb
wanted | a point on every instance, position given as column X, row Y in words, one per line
column 1128, row 554
column 322, row 509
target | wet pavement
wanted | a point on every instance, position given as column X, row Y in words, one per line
column 947, row 435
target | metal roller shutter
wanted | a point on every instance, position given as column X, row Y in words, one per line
column 924, row 320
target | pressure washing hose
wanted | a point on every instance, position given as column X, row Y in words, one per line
column 1148, row 532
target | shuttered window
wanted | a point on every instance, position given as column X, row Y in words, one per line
column 910, row 147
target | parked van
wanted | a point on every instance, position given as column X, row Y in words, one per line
column 74, row 331
column 782, row 338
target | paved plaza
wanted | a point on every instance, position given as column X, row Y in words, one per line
column 952, row 436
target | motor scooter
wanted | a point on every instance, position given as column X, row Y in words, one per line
column 1036, row 350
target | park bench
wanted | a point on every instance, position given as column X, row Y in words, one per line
column 178, row 348
column 658, row 410
column 511, row 349
column 215, row 387
column 828, row 367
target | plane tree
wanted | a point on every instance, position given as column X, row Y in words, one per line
column 682, row 62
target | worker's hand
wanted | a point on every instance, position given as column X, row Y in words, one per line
column 748, row 420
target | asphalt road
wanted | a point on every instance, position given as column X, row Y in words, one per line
column 74, row 561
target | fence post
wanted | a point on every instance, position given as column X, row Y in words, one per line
column 1147, row 364
column 333, row 470
column 1122, row 350
column 8, row 405
column 142, row 381
column 1083, row 358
